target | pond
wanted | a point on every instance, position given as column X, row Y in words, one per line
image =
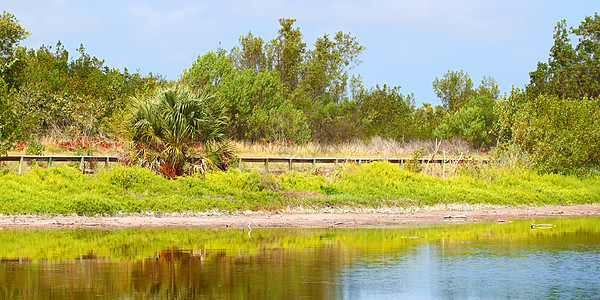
column 472, row 260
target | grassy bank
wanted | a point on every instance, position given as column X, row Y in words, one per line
column 376, row 185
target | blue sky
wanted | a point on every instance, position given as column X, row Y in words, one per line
column 408, row 43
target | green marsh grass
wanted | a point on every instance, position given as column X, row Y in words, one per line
column 377, row 185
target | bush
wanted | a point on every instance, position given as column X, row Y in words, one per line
column 561, row 134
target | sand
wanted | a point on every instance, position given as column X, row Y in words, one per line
column 302, row 220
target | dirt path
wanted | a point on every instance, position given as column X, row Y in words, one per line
column 302, row 219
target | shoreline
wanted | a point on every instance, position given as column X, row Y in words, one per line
column 302, row 219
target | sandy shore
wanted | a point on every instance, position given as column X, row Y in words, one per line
column 306, row 220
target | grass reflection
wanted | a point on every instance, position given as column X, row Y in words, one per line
column 139, row 243
column 184, row 263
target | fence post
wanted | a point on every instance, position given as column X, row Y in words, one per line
column 240, row 164
column 267, row 165
column 82, row 165
column 336, row 163
column 314, row 165
column 106, row 163
column 290, row 164
column 21, row 165
column 49, row 161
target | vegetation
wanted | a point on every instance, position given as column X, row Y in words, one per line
column 286, row 92
column 164, row 130
column 375, row 185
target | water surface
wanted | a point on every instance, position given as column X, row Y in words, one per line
column 483, row 260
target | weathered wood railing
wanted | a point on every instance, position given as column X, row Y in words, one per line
column 337, row 161
column 265, row 160
column 50, row 159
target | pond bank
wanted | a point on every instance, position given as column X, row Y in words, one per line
column 302, row 220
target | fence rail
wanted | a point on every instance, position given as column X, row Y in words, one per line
column 49, row 159
column 265, row 160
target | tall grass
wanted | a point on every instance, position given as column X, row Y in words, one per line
column 377, row 185
column 376, row 147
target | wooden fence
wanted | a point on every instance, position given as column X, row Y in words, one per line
column 50, row 159
column 264, row 160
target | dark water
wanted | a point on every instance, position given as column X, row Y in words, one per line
column 459, row 261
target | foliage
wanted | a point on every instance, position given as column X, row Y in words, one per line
column 325, row 70
column 561, row 134
column 473, row 123
column 374, row 185
column 10, row 125
column 281, row 90
column 257, row 109
column 414, row 164
column 453, row 89
column 424, row 120
column 11, row 33
column 573, row 68
column 164, row 129
column 53, row 92
column 384, row 111
column 34, row 148
column 253, row 101
column 285, row 54
column 207, row 72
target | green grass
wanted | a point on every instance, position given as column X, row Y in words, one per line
column 376, row 185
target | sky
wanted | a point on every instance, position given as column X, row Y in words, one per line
column 407, row 43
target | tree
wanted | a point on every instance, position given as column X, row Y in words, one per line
column 384, row 112
column 207, row 71
column 325, row 72
column 454, row 89
column 258, row 110
column 250, row 55
column 285, row 54
column 424, row 120
column 11, row 33
column 165, row 129
column 10, row 124
column 573, row 69
column 473, row 122
column 562, row 135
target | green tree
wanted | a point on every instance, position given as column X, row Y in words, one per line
column 561, row 134
column 165, row 129
column 207, row 71
column 58, row 93
column 325, row 72
column 454, row 89
column 384, row 112
column 424, row 120
column 474, row 122
column 573, row 68
column 250, row 54
column 11, row 33
column 285, row 54
column 258, row 109
column 10, row 123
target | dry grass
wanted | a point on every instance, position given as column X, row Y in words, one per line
column 375, row 148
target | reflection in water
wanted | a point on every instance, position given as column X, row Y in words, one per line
column 460, row 261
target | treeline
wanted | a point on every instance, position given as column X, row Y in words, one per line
column 283, row 90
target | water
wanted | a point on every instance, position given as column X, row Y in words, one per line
column 460, row 261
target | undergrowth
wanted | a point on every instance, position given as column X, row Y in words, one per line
column 375, row 185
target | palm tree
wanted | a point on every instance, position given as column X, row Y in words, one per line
column 176, row 124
